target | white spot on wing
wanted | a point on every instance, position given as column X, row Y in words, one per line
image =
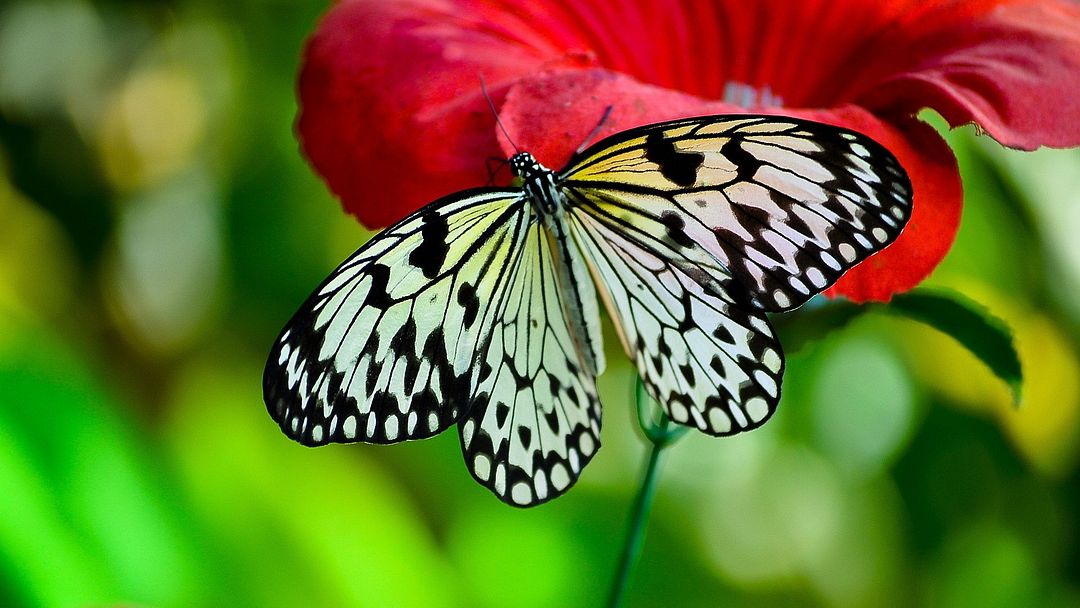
column 521, row 493
column 757, row 408
column 719, row 421
column 482, row 466
column 766, row 382
column 771, row 359
column 466, row 430
column 559, row 477
column 678, row 412
column 798, row 285
column 781, row 299
column 541, row 483
column 586, row 444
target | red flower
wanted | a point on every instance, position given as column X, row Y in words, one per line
column 392, row 115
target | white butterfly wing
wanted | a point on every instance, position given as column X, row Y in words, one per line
column 384, row 350
column 710, row 363
column 455, row 314
column 695, row 228
column 535, row 422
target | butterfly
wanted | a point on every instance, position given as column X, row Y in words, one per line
column 482, row 309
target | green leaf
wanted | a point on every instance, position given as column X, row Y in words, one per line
column 966, row 321
column 969, row 323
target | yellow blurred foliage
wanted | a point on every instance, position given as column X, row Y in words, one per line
column 153, row 126
column 1044, row 428
column 37, row 269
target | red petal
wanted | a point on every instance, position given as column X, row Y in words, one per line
column 392, row 114
column 551, row 113
column 392, row 117
column 1012, row 69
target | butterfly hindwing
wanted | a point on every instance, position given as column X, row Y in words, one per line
column 535, row 422
column 710, row 363
column 786, row 206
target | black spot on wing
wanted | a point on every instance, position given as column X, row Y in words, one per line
column 678, row 167
column 466, row 297
column 525, row 437
column 404, row 344
column 485, row 371
column 377, row 296
column 455, row 388
column 554, row 386
column 722, row 333
column 746, row 164
column 431, row 253
column 552, row 419
column 688, row 374
column 676, row 229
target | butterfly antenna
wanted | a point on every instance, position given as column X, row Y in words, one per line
column 592, row 134
column 491, row 104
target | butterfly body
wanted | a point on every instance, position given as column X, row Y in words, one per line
column 482, row 308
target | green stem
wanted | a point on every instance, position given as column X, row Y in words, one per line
column 660, row 432
column 635, row 533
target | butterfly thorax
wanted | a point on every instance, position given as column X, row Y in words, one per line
column 538, row 182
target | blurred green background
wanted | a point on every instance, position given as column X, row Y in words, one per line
column 158, row 226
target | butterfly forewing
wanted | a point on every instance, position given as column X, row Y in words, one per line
column 383, row 351
column 786, row 206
